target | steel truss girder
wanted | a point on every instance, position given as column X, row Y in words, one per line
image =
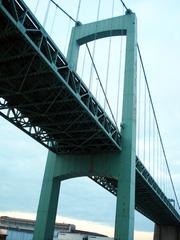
column 38, row 104
column 159, row 201
column 18, row 13
column 16, row 118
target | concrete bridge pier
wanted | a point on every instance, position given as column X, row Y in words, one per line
column 166, row 232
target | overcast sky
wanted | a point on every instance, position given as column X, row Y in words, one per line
column 22, row 160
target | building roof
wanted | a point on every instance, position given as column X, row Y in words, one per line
column 27, row 225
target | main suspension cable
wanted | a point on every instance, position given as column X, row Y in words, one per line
column 46, row 14
column 36, row 8
column 54, row 18
column 63, row 11
column 109, row 56
column 119, row 81
column 124, row 5
column 94, row 46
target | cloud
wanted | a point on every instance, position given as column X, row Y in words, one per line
column 143, row 235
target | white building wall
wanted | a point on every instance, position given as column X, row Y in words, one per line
column 76, row 236
column 21, row 235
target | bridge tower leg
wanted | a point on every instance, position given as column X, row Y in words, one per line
column 48, row 202
column 165, row 232
column 120, row 165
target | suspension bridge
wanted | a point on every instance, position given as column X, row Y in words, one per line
column 56, row 101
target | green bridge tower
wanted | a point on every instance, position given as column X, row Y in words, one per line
column 119, row 165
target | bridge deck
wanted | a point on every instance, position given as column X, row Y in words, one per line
column 42, row 96
column 150, row 200
column 45, row 98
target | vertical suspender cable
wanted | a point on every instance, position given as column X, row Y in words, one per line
column 46, row 14
column 164, row 176
column 67, row 35
column 157, row 167
column 119, row 81
column 107, row 72
column 162, row 173
column 139, row 110
column 84, row 60
column 97, row 82
column 94, row 48
column 149, row 136
column 78, row 10
column 156, row 155
column 167, row 179
column 144, row 157
column 109, row 55
column 157, row 125
column 101, row 85
column 149, row 133
column 160, row 138
column 160, row 178
column 89, row 52
column 153, row 139
column 161, row 169
column 159, row 164
column 36, row 8
column 91, row 71
column 54, row 18
column 97, row 88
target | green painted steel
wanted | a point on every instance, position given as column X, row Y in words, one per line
column 41, row 94
column 33, row 100
column 48, row 202
column 123, row 168
column 120, row 165
column 149, row 200
column 61, row 167
column 124, row 225
column 82, row 34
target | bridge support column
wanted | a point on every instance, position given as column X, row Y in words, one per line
column 61, row 167
column 118, row 165
column 48, row 203
column 165, row 232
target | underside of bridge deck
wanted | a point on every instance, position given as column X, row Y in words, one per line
column 150, row 200
column 42, row 96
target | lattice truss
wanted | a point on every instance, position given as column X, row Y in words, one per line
column 146, row 202
column 41, row 94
